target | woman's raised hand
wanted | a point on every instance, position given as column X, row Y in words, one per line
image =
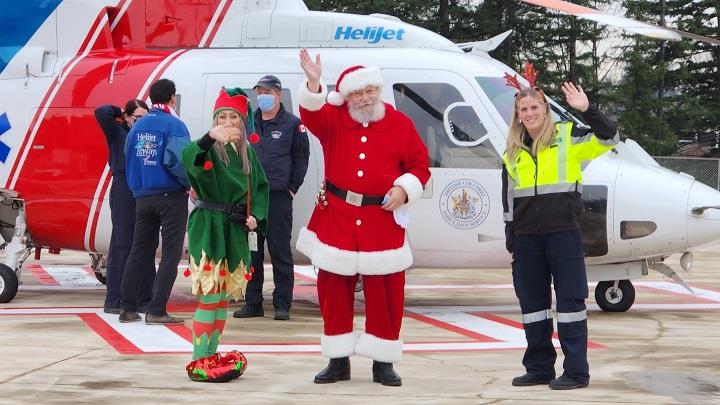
column 575, row 96
column 312, row 69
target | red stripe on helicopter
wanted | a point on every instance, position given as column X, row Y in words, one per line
column 26, row 139
column 58, row 176
column 219, row 21
column 96, row 209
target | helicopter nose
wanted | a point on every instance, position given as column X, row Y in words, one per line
column 703, row 212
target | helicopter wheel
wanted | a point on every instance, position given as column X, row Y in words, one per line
column 8, row 284
column 611, row 299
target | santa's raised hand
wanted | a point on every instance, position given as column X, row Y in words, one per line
column 312, row 69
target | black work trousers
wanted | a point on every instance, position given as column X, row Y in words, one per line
column 278, row 243
column 162, row 213
column 122, row 214
column 538, row 260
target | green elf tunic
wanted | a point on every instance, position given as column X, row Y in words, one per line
column 219, row 251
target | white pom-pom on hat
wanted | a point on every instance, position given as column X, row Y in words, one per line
column 352, row 79
column 335, row 98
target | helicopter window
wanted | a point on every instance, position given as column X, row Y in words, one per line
column 426, row 104
column 593, row 220
column 502, row 97
column 636, row 229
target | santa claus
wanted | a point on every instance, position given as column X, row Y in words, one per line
column 375, row 166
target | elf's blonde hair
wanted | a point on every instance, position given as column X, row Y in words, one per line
column 241, row 145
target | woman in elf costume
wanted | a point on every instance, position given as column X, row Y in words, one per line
column 231, row 204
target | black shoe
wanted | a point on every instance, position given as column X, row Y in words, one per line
column 528, row 379
column 249, row 312
column 128, row 316
column 337, row 370
column 112, row 310
column 383, row 373
column 282, row 315
column 566, row 383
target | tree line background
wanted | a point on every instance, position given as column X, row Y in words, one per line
column 659, row 92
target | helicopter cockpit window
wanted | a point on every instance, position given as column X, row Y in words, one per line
column 502, row 97
column 449, row 127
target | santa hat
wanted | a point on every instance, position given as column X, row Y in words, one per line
column 353, row 79
column 236, row 99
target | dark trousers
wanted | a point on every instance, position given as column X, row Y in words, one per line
column 122, row 214
column 278, row 242
column 167, row 214
column 538, row 260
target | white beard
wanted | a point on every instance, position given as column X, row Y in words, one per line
column 358, row 115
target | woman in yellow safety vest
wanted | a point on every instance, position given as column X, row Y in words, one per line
column 542, row 185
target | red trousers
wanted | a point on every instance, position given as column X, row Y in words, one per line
column 384, row 306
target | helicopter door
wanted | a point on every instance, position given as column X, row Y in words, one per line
column 462, row 200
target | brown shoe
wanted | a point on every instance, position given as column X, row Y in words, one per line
column 166, row 319
column 128, row 316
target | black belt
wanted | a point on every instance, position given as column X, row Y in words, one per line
column 226, row 208
column 353, row 198
column 235, row 212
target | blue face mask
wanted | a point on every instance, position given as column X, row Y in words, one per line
column 265, row 102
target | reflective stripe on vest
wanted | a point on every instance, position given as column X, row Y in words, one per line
column 555, row 170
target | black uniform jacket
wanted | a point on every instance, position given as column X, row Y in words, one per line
column 283, row 150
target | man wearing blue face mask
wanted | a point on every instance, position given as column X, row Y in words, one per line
column 284, row 151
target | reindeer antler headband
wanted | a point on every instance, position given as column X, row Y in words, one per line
column 529, row 73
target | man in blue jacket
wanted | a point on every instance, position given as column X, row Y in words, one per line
column 159, row 184
column 284, row 151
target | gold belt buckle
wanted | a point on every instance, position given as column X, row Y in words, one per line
column 353, row 198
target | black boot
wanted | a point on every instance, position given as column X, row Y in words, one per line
column 337, row 370
column 384, row 374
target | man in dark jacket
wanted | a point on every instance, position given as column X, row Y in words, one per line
column 284, row 151
column 159, row 183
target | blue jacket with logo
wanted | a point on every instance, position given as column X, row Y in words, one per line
column 283, row 150
column 152, row 154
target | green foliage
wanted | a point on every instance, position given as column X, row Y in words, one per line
column 659, row 92
column 670, row 91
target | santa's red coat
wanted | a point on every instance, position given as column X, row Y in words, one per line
column 366, row 159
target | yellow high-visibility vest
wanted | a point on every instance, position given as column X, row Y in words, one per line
column 558, row 167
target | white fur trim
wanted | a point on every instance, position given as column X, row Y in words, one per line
column 412, row 186
column 335, row 98
column 338, row 345
column 309, row 100
column 386, row 351
column 347, row 262
column 359, row 79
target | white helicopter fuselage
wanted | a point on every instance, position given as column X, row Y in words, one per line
column 636, row 212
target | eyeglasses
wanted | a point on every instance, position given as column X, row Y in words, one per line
column 137, row 116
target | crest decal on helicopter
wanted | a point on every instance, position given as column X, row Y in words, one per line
column 464, row 204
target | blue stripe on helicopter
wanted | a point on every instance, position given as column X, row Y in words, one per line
column 4, row 127
column 20, row 20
